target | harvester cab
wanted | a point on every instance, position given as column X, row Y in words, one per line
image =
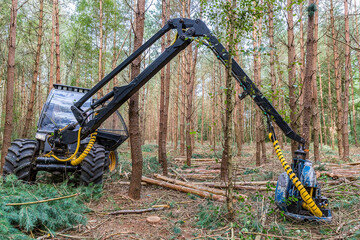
column 27, row 157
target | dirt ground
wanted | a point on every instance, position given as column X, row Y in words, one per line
column 192, row 217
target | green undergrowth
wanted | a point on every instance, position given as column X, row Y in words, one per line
column 149, row 147
column 18, row 221
column 150, row 165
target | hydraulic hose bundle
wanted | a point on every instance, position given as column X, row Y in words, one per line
column 76, row 160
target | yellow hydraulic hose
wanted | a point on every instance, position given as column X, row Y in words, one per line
column 86, row 151
column 51, row 154
column 304, row 194
column 78, row 160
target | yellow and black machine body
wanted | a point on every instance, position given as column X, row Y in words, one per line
column 82, row 127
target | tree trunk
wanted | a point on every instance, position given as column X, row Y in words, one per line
column 100, row 47
column 339, row 120
column 330, row 110
column 176, row 106
column 227, row 162
column 309, row 72
column 292, row 72
column 51, row 77
column 353, row 112
column 302, row 67
column 281, row 142
column 57, row 34
column 345, row 127
column 322, row 107
column 134, row 131
column 275, row 92
column 315, row 108
column 164, row 96
column 202, row 108
column 30, row 108
column 8, row 127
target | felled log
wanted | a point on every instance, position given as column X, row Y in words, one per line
column 342, row 173
column 256, row 183
column 201, row 170
column 186, row 184
column 178, row 174
column 196, row 176
column 236, row 186
column 183, row 159
column 190, row 185
column 184, row 189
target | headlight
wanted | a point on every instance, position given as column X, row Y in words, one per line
column 40, row 136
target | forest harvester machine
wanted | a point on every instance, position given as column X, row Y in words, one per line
column 72, row 137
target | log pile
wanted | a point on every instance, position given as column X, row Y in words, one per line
column 336, row 171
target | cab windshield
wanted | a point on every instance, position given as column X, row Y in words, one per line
column 57, row 113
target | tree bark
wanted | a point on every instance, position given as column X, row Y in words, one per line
column 322, row 107
column 330, row 109
column 339, row 120
column 57, row 44
column 275, row 92
column 51, row 75
column 227, row 161
column 302, row 67
column 100, row 46
column 134, row 131
column 8, row 127
column 30, row 108
column 176, row 106
column 164, row 96
column 345, row 127
column 315, row 108
column 309, row 72
column 292, row 71
column 353, row 112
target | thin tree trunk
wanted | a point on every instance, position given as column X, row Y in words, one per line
column 176, row 106
column 57, row 44
column 30, row 108
column 332, row 125
column 227, row 170
column 309, row 72
column 8, row 126
column 275, row 92
column 51, row 77
column 134, row 131
column 337, row 85
column 281, row 142
column 345, row 127
column 292, row 71
column 202, row 108
column 315, row 108
column 302, row 67
column 322, row 107
column 100, row 46
column 353, row 112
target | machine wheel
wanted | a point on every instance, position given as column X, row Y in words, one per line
column 19, row 159
column 112, row 160
column 92, row 167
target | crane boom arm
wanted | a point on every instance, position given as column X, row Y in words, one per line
column 187, row 31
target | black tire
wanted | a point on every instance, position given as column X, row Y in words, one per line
column 92, row 167
column 19, row 159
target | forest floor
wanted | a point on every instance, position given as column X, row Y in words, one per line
column 193, row 217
